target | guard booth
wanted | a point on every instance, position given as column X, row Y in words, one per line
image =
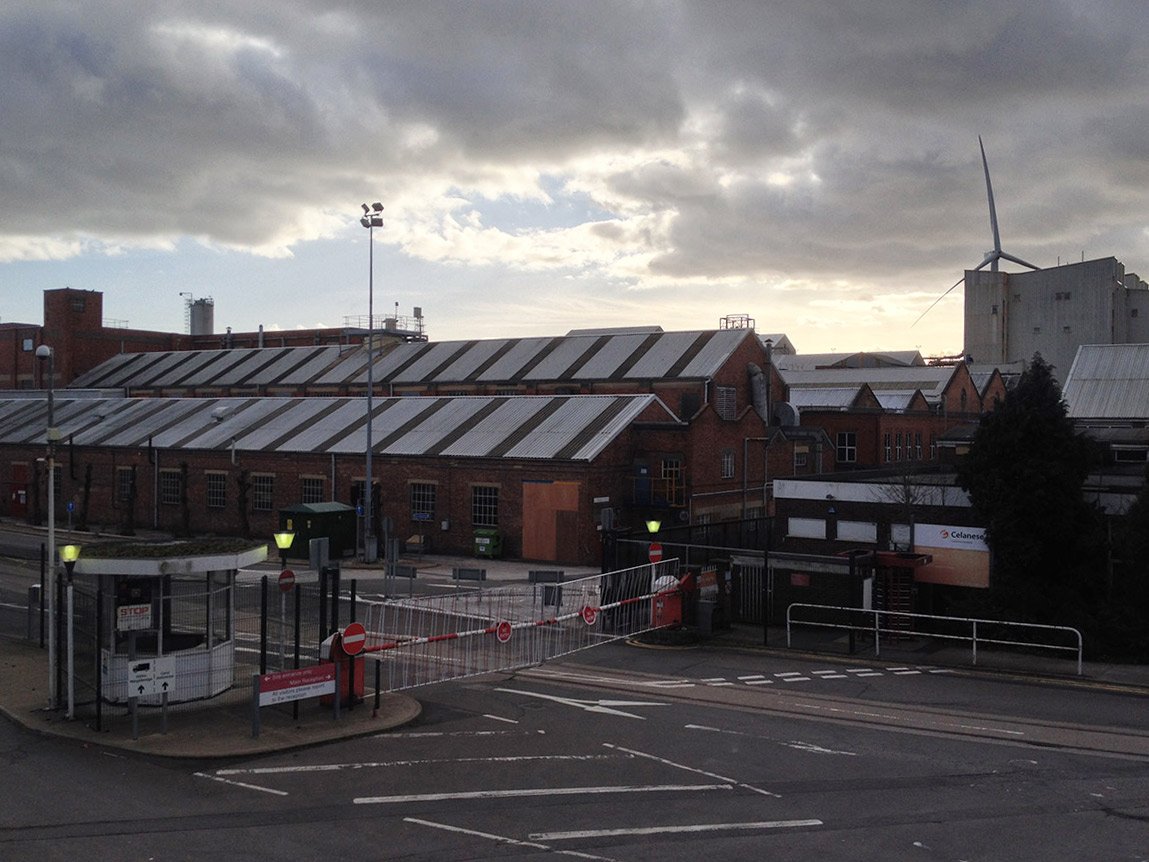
column 335, row 522
column 168, row 607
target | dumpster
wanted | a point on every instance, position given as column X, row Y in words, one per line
column 488, row 543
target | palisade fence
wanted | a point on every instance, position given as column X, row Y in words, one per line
column 211, row 637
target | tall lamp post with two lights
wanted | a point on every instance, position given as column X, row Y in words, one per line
column 372, row 218
column 44, row 353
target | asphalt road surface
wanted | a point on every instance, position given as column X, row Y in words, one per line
column 636, row 755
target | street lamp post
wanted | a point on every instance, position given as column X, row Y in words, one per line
column 44, row 353
column 68, row 556
column 372, row 218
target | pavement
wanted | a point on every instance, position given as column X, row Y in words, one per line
column 223, row 728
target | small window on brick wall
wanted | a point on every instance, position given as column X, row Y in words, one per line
column 726, row 401
column 125, row 477
column 262, row 492
column 484, row 506
column 170, row 482
column 422, row 501
column 311, row 489
column 728, row 464
column 216, row 490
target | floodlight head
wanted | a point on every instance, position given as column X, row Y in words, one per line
column 376, row 221
column 366, row 208
column 43, row 352
column 366, row 222
column 378, row 207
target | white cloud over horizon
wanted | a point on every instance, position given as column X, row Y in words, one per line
column 548, row 166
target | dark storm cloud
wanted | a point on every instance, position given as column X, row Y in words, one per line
column 828, row 139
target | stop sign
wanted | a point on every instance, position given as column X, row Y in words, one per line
column 655, row 552
column 503, row 632
column 354, row 638
column 286, row 580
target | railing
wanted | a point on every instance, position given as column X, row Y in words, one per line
column 874, row 618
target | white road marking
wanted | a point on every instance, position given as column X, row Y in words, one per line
column 752, row 676
column 656, row 830
column 421, row 734
column 540, row 791
column 241, row 784
column 817, row 749
column 759, row 682
column 500, row 718
column 800, row 746
column 389, row 764
column 693, row 769
column 606, row 707
column 503, row 839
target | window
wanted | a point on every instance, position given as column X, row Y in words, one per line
column 125, row 479
column 898, row 447
column 963, row 401
column 423, row 501
column 311, row 489
column 800, row 458
column 262, row 492
column 917, row 445
column 726, row 402
column 887, row 448
column 672, row 469
column 728, row 464
column 847, row 447
column 26, row 344
column 484, row 506
column 170, row 487
column 78, row 303
column 216, row 490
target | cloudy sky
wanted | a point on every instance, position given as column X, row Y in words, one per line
column 556, row 165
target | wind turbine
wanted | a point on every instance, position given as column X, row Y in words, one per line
column 992, row 257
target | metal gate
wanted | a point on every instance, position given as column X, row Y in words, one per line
column 430, row 639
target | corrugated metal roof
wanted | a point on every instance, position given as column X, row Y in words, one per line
column 930, row 379
column 823, row 397
column 575, row 427
column 1109, row 381
column 618, row 356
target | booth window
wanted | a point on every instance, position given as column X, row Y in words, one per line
column 216, row 490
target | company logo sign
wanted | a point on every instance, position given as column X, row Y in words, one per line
column 945, row 536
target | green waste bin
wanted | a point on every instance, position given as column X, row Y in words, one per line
column 488, row 543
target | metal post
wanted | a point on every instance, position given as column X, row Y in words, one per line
column 99, row 653
column 71, row 602
column 877, row 629
column 295, row 705
column 975, row 641
column 43, row 587
column 263, row 625
column 378, row 685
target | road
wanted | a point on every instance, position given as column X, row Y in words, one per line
column 629, row 754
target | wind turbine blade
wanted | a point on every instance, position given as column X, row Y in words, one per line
column 1009, row 256
column 936, row 301
column 989, row 195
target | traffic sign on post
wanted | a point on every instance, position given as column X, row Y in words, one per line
column 354, row 638
column 286, row 580
column 655, row 552
column 503, row 632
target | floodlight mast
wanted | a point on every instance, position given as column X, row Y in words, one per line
column 372, row 218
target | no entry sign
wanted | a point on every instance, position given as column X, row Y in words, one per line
column 589, row 615
column 286, row 580
column 655, row 552
column 503, row 631
column 354, row 638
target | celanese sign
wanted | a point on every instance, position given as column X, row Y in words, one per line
column 940, row 536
